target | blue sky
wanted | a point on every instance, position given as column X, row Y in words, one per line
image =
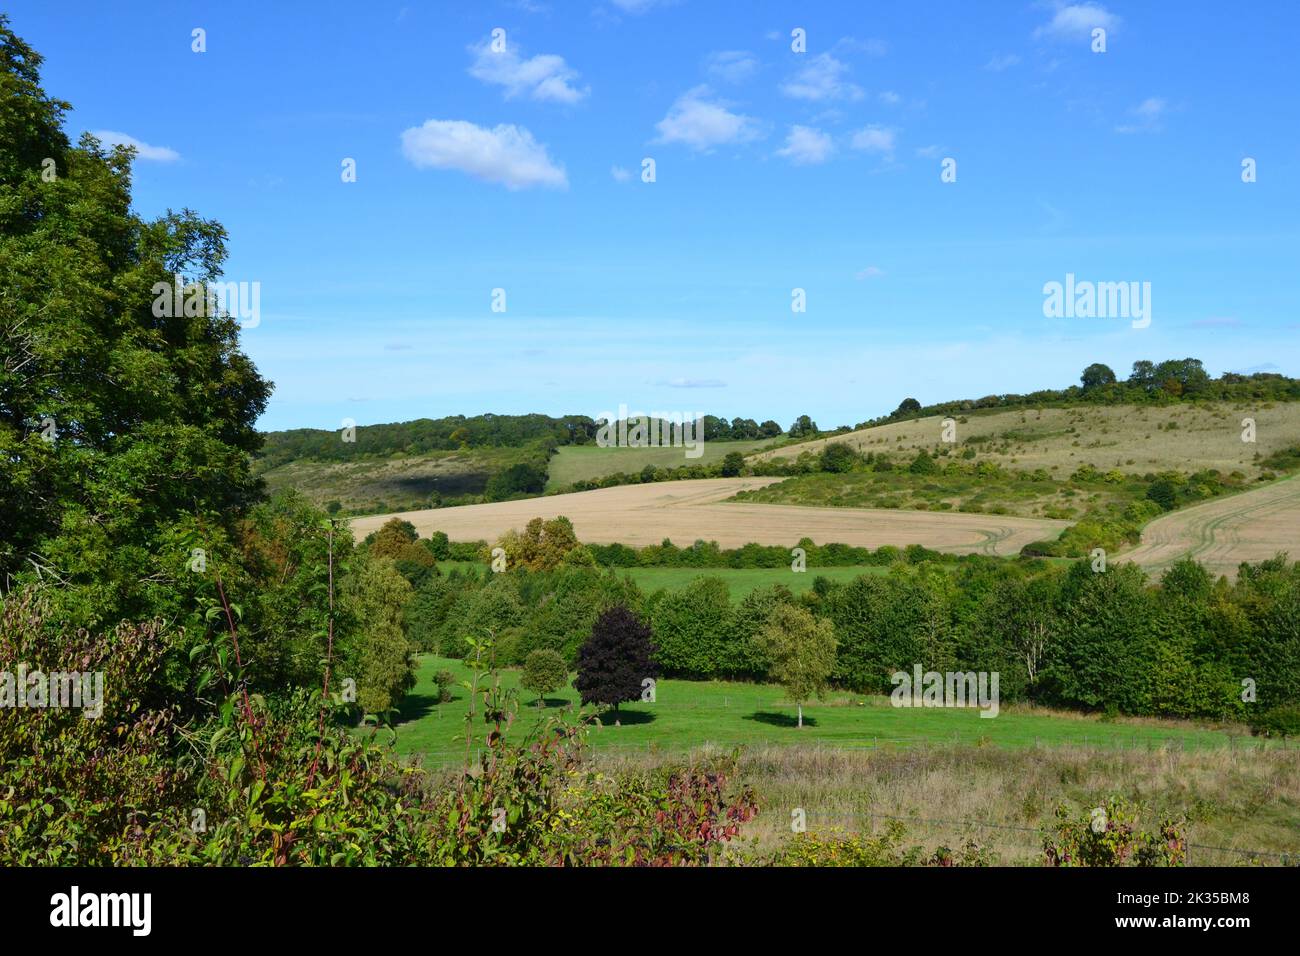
column 775, row 170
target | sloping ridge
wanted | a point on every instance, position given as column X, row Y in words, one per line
column 1220, row 534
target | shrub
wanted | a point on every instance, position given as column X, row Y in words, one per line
column 544, row 671
column 1109, row 836
column 1280, row 721
column 838, row 458
column 443, row 681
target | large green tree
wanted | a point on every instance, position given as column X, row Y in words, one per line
column 124, row 435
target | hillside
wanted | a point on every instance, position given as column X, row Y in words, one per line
column 1134, row 439
column 687, row 511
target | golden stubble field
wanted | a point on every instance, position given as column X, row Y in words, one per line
column 687, row 511
column 1133, row 439
column 1221, row 534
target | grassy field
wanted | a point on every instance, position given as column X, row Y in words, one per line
column 572, row 463
column 740, row 581
column 947, row 774
column 1134, row 439
column 1241, row 806
column 691, row 714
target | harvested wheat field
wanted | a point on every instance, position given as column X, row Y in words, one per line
column 1135, row 439
column 1221, row 534
column 688, row 511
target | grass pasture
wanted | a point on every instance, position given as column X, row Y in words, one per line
column 572, row 463
column 948, row 775
column 690, row 714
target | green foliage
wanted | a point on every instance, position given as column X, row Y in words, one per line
column 542, row 545
column 443, row 680
column 544, row 671
column 838, row 458
column 732, row 464
column 1150, row 383
column 691, row 632
column 802, row 651
column 1164, row 493
column 151, row 417
column 380, row 659
column 923, row 464
column 520, row 479
column 1280, row 721
column 837, row 849
column 1109, row 835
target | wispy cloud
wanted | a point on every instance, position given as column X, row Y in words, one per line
column 1077, row 21
column 1146, row 116
column 505, row 154
column 806, row 146
column 701, row 121
column 1004, row 62
column 638, row 7
column 874, row 139
column 156, row 154
column 870, row 272
column 823, row 78
column 543, row 77
column 620, row 174
column 692, row 383
column 731, row 66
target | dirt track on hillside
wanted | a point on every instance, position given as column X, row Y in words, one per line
column 1221, row 534
column 687, row 511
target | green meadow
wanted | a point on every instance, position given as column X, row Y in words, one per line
column 689, row 714
column 572, row 463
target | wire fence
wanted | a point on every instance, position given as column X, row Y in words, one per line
column 962, row 828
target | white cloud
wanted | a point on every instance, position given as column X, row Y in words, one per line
column 692, row 383
column 870, row 272
column 823, row 78
column 806, row 146
column 929, row 152
column 999, row 63
column 542, row 77
column 731, row 66
column 1077, row 21
column 157, row 154
column 1146, row 116
column 874, row 139
column 505, row 154
column 890, row 98
column 637, row 7
column 620, row 174
column 702, row 122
